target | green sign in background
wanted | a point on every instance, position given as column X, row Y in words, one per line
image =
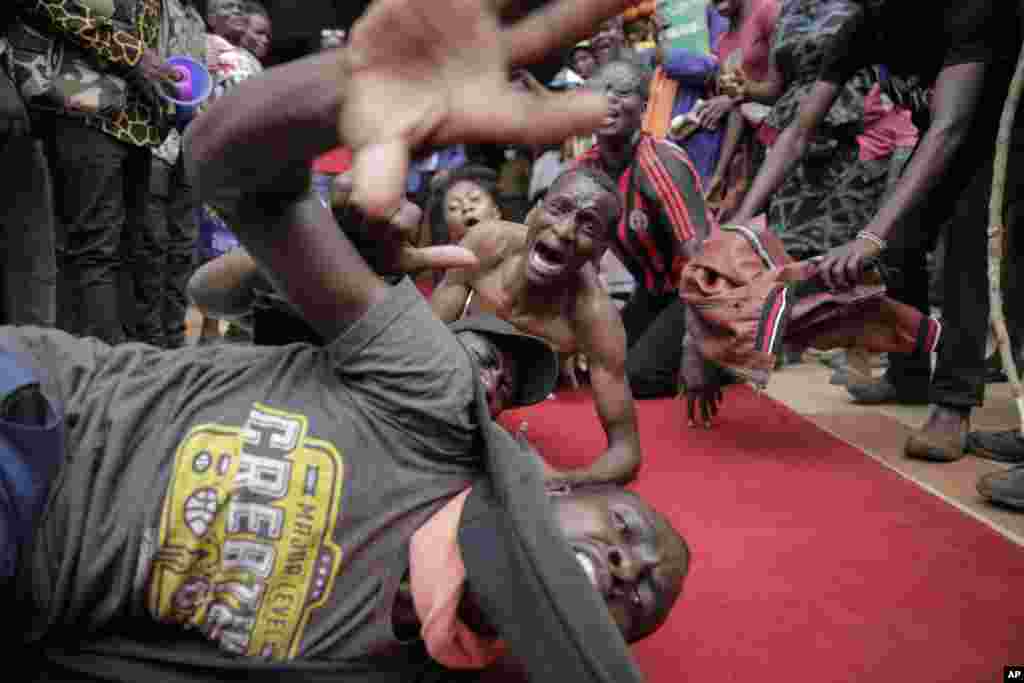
column 687, row 25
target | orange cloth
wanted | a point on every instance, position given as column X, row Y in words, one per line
column 659, row 104
column 437, row 578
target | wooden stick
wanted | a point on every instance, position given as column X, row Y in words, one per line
column 997, row 236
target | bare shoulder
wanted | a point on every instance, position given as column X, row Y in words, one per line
column 597, row 321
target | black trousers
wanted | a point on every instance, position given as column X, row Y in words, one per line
column 958, row 211
column 101, row 187
column 28, row 265
column 169, row 256
column 655, row 326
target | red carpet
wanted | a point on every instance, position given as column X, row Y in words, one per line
column 811, row 562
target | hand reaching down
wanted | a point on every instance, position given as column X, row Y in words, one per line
column 700, row 383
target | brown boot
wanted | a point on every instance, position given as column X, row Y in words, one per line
column 942, row 438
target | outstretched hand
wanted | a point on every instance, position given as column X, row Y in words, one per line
column 434, row 74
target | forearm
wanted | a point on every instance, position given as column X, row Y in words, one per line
column 291, row 110
column 448, row 300
column 226, row 286
column 87, row 29
column 783, row 156
column 731, row 141
column 926, row 168
column 620, row 462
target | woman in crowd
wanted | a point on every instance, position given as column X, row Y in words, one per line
column 462, row 199
column 745, row 46
column 840, row 182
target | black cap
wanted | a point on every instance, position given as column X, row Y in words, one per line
column 538, row 362
column 525, row 577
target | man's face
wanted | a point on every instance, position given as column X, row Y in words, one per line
column 466, row 204
column 226, row 19
column 634, row 558
column 568, row 228
column 626, row 103
column 257, row 36
column 729, row 9
column 583, row 63
column 498, row 370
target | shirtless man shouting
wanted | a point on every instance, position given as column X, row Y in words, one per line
column 540, row 277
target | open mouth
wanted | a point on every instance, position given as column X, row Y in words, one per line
column 547, row 260
column 471, row 221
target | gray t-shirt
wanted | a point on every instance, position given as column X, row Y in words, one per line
column 261, row 496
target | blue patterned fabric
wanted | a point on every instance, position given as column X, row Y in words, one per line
column 29, row 459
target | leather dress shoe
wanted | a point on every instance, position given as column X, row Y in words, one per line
column 1002, row 446
column 1005, row 487
column 926, row 444
column 882, row 391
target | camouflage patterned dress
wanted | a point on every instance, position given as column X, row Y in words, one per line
column 73, row 57
column 831, row 194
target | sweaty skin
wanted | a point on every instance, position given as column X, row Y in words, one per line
column 540, row 278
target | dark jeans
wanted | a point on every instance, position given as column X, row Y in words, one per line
column 958, row 209
column 27, row 234
column 655, row 326
column 170, row 238
column 101, row 187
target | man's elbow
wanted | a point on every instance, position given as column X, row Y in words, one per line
column 216, row 302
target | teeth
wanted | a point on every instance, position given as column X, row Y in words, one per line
column 543, row 265
column 588, row 567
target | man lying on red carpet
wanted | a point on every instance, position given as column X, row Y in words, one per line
column 541, row 278
column 746, row 298
column 322, row 513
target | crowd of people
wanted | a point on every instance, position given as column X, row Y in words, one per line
column 256, row 338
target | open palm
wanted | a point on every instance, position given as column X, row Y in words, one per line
column 424, row 74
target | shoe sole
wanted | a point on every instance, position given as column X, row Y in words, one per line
column 994, row 456
column 888, row 401
column 991, row 496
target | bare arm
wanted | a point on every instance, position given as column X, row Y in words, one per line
column 450, row 295
column 487, row 243
column 731, row 141
column 957, row 90
column 602, row 338
column 226, row 287
column 788, row 149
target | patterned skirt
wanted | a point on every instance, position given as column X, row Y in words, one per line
column 827, row 199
